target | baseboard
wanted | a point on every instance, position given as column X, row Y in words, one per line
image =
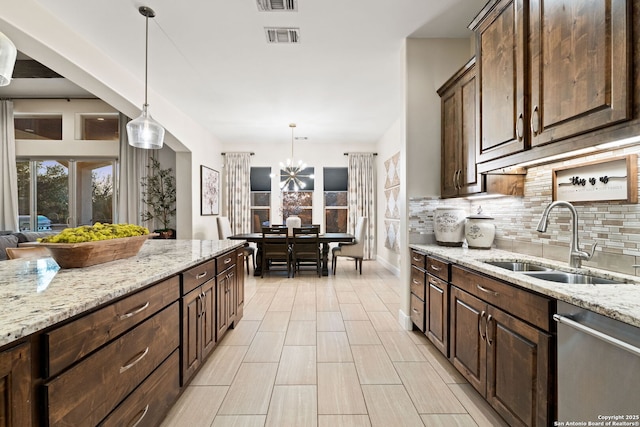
column 392, row 268
column 405, row 321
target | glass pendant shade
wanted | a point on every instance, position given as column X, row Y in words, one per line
column 144, row 132
column 8, row 54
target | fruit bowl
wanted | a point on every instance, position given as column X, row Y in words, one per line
column 78, row 255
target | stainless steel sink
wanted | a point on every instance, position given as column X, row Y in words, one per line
column 571, row 278
column 518, row 266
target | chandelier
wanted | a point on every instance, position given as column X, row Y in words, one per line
column 291, row 173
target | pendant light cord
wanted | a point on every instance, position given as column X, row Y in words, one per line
column 146, row 58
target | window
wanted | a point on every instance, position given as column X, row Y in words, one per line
column 335, row 200
column 260, row 198
column 32, row 126
column 298, row 203
column 98, row 127
column 67, row 193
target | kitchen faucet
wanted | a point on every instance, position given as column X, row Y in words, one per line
column 575, row 254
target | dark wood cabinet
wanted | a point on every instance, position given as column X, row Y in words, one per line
column 15, row 386
column 226, row 307
column 239, row 290
column 580, row 67
column 459, row 134
column 437, row 313
column 550, row 71
column 417, row 284
column 502, row 356
column 501, row 37
column 198, row 327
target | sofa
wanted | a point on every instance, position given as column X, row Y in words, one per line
column 12, row 240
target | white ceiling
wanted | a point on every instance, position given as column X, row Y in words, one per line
column 210, row 59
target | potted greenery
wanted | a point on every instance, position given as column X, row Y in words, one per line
column 159, row 196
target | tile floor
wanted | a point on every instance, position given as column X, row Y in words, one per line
column 327, row 351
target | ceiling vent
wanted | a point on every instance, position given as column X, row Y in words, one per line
column 282, row 35
column 277, row 5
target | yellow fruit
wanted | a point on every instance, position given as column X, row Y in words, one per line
column 98, row 231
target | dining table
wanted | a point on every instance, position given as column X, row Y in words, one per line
column 325, row 239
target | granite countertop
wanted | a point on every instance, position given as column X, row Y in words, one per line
column 36, row 294
column 618, row 301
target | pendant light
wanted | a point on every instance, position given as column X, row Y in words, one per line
column 291, row 172
column 144, row 132
column 8, row 54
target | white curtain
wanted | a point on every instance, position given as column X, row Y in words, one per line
column 132, row 167
column 361, row 197
column 237, row 169
column 8, row 170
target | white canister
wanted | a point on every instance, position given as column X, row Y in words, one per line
column 449, row 225
column 480, row 231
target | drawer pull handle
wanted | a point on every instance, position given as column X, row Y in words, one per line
column 414, row 310
column 139, row 420
column 434, row 268
column 134, row 312
column 135, row 360
column 417, row 259
column 227, row 261
column 416, row 282
column 201, row 275
column 488, row 291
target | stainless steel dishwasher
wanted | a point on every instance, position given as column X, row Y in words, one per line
column 598, row 368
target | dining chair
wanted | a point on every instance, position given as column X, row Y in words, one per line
column 224, row 231
column 305, row 249
column 30, row 252
column 275, row 248
column 353, row 250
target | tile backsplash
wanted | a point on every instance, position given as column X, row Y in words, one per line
column 615, row 226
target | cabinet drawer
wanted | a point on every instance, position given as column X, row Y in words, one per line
column 418, row 281
column 438, row 268
column 73, row 341
column 526, row 305
column 149, row 403
column 86, row 393
column 197, row 275
column 417, row 312
column 225, row 261
column 418, row 259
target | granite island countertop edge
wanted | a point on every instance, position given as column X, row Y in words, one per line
column 37, row 294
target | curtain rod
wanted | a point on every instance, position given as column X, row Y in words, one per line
column 346, row 154
column 252, row 154
column 66, row 98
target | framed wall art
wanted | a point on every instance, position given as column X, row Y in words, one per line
column 603, row 180
column 209, row 191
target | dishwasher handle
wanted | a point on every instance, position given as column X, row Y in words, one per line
column 597, row 334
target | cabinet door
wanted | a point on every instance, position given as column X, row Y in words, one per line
column 450, row 141
column 222, row 311
column 501, row 79
column 239, row 289
column 468, row 347
column 517, row 370
column 469, row 180
column 15, row 386
column 191, row 354
column 207, row 318
column 438, row 313
column 580, row 68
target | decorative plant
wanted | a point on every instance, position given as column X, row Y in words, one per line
column 159, row 194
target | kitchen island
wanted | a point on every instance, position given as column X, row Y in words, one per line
column 113, row 343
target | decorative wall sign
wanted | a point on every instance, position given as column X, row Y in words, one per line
column 209, row 191
column 604, row 180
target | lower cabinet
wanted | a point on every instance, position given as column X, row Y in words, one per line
column 198, row 327
column 437, row 313
column 15, row 386
column 226, row 289
column 502, row 356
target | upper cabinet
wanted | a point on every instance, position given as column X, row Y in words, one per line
column 549, row 70
column 580, row 68
column 501, row 48
column 459, row 134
